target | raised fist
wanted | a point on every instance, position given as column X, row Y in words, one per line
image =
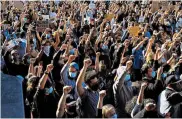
column 67, row 89
column 71, row 58
column 129, row 64
column 98, row 54
column 50, row 67
column 102, row 93
column 87, row 62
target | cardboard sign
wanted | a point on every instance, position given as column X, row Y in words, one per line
column 164, row 5
column 141, row 19
column 134, row 30
column 42, row 25
column 45, row 17
column 19, row 5
column 11, row 44
column 109, row 17
column 155, row 6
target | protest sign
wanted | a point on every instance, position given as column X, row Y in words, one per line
column 19, row 5
column 109, row 17
column 45, row 17
column 141, row 19
column 164, row 5
column 134, row 30
column 155, row 6
column 42, row 25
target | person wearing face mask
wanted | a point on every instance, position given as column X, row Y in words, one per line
column 45, row 98
column 123, row 90
column 67, row 105
column 106, row 111
column 155, row 84
column 88, row 96
column 47, row 51
column 149, row 110
column 69, row 74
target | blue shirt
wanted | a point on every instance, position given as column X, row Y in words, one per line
column 138, row 58
column 147, row 34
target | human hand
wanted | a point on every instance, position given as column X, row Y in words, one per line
column 102, row 94
column 66, row 89
column 32, row 60
column 98, row 54
column 71, row 58
column 129, row 64
column 87, row 62
column 144, row 85
column 159, row 72
column 49, row 68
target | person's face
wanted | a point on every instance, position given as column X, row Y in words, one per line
column 111, row 111
column 47, row 44
column 94, row 84
column 16, row 56
column 72, row 69
column 127, row 42
column 149, row 73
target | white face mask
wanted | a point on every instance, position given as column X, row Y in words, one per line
column 47, row 50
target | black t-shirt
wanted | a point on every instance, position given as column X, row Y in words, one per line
column 46, row 105
column 47, row 59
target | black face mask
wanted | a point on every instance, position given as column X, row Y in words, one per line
column 95, row 87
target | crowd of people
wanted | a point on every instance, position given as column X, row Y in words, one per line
column 96, row 59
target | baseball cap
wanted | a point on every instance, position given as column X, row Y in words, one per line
column 75, row 65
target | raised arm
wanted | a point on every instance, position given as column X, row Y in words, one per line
column 81, row 77
column 97, row 61
column 57, row 40
column 141, row 93
column 102, row 94
column 62, row 102
column 45, row 76
column 91, row 32
column 151, row 41
column 56, row 56
column 39, row 56
column 38, row 36
column 171, row 59
column 141, row 43
column 31, row 66
column 28, row 42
